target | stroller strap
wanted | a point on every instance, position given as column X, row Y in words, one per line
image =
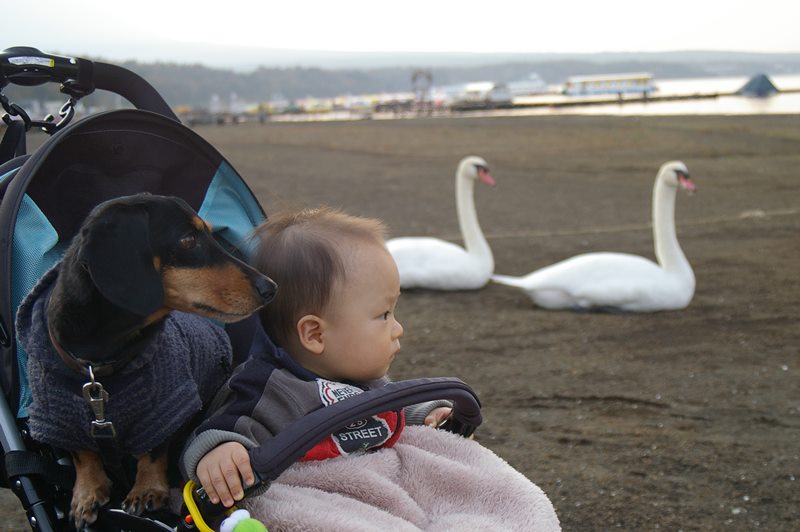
column 30, row 463
column 13, row 142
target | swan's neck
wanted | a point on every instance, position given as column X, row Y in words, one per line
column 474, row 241
column 668, row 251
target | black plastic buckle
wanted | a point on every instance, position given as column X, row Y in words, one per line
column 74, row 89
column 67, row 112
column 13, row 109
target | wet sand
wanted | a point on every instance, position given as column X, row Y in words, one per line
column 683, row 420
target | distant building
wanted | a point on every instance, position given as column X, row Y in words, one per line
column 637, row 82
column 759, row 86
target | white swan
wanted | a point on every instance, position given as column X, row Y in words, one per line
column 426, row 262
column 620, row 281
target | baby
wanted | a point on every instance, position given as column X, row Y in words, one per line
column 333, row 320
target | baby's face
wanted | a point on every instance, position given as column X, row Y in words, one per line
column 363, row 334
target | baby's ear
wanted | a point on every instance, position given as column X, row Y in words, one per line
column 309, row 331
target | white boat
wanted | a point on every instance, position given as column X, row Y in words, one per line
column 475, row 95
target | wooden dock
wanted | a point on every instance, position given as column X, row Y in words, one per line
column 555, row 100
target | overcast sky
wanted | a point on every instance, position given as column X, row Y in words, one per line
column 145, row 29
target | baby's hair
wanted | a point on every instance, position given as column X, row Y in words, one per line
column 302, row 252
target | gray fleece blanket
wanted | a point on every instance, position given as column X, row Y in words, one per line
column 430, row 480
column 150, row 399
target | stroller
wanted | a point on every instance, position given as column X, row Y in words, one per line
column 44, row 198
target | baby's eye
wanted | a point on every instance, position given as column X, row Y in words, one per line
column 386, row 315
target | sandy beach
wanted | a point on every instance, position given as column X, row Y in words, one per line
column 682, row 420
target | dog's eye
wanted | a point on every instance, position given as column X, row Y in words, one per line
column 188, row 242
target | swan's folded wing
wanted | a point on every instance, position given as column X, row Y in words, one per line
column 437, row 264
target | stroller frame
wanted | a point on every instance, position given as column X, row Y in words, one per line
column 30, row 466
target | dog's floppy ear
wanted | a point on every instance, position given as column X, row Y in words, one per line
column 120, row 259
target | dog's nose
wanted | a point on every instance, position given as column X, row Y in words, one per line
column 265, row 287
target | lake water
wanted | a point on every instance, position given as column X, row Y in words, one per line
column 782, row 103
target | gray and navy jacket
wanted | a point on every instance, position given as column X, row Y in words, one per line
column 183, row 362
column 270, row 390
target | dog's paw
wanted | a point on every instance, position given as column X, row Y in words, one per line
column 86, row 502
column 141, row 500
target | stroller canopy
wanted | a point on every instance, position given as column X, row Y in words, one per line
column 45, row 199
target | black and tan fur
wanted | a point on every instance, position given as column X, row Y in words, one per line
column 134, row 260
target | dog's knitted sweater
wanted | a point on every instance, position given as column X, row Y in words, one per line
column 150, row 398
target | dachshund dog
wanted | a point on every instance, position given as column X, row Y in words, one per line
column 135, row 260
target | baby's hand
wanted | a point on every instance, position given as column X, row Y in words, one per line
column 222, row 470
column 437, row 416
